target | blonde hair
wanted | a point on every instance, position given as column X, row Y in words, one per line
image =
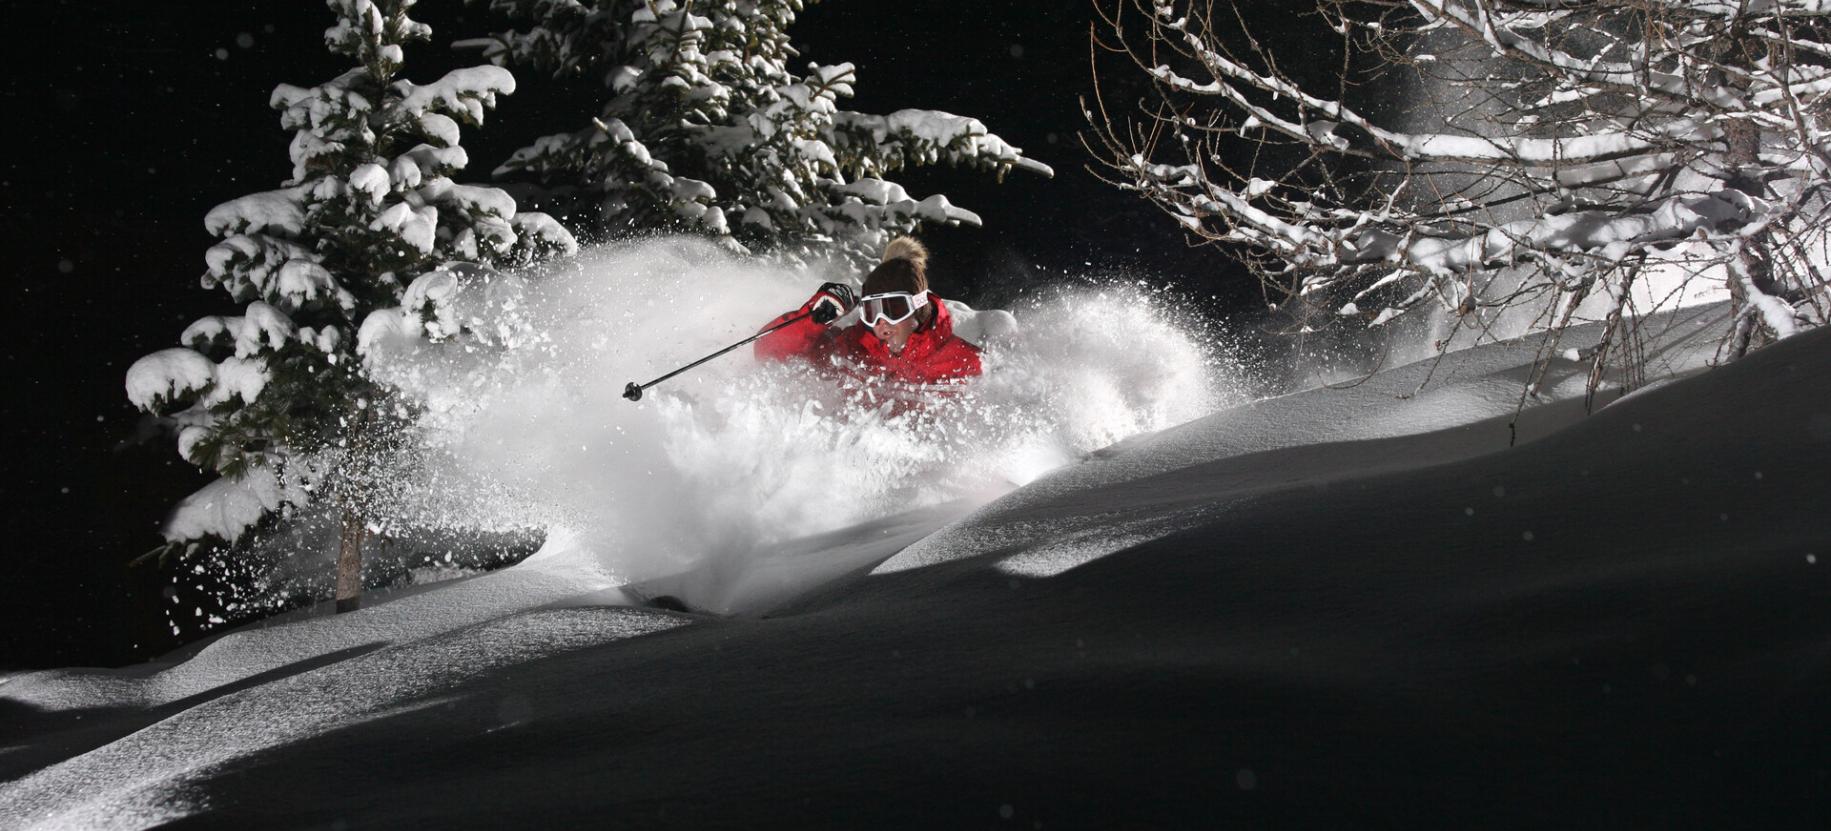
column 905, row 268
column 907, row 248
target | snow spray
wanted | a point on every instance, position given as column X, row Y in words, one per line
column 522, row 422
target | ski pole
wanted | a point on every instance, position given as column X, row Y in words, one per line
column 633, row 392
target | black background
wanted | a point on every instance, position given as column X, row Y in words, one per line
column 129, row 121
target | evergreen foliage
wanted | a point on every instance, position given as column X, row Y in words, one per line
column 275, row 399
column 707, row 129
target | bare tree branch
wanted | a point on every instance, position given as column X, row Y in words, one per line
column 1483, row 155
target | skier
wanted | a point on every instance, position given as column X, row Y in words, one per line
column 901, row 332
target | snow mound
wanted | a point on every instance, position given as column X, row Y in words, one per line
column 738, row 487
column 142, row 776
column 562, row 573
column 1477, row 395
column 1304, row 609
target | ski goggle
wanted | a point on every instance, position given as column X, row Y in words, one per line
column 891, row 307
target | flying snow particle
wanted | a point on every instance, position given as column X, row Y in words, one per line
column 1811, row 559
column 1527, row 536
column 1017, row 50
column 1246, row 779
column 222, row 54
column 1005, row 811
column 1500, row 491
column 244, row 40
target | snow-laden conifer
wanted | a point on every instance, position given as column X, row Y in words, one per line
column 1484, row 156
column 708, row 129
column 274, row 398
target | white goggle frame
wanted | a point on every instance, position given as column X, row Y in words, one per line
column 869, row 313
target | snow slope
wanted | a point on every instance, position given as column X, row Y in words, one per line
column 1341, row 607
column 1156, row 484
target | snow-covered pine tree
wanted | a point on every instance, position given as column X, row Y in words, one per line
column 275, row 399
column 708, row 130
column 1489, row 156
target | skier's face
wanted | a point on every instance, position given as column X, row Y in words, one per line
column 894, row 335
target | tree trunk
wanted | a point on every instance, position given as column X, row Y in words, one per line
column 349, row 562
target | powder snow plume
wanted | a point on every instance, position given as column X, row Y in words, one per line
column 525, row 425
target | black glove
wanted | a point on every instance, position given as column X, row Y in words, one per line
column 832, row 302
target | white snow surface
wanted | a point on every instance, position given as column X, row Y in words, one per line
column 1472, row 400
column 275, row 211
column 227, row 506
column 1317, row 601
column 370, row 179
column 471, row 91
column 262, row 326
column 168, row 374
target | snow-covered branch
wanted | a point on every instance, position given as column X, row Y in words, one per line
column 372, row 203
column 1559, row 148
column 706, row 128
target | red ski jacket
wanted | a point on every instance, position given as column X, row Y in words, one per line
column 933, row 354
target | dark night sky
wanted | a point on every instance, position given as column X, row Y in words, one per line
column 129, row 122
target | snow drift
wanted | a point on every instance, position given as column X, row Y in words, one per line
column 1358, row 605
